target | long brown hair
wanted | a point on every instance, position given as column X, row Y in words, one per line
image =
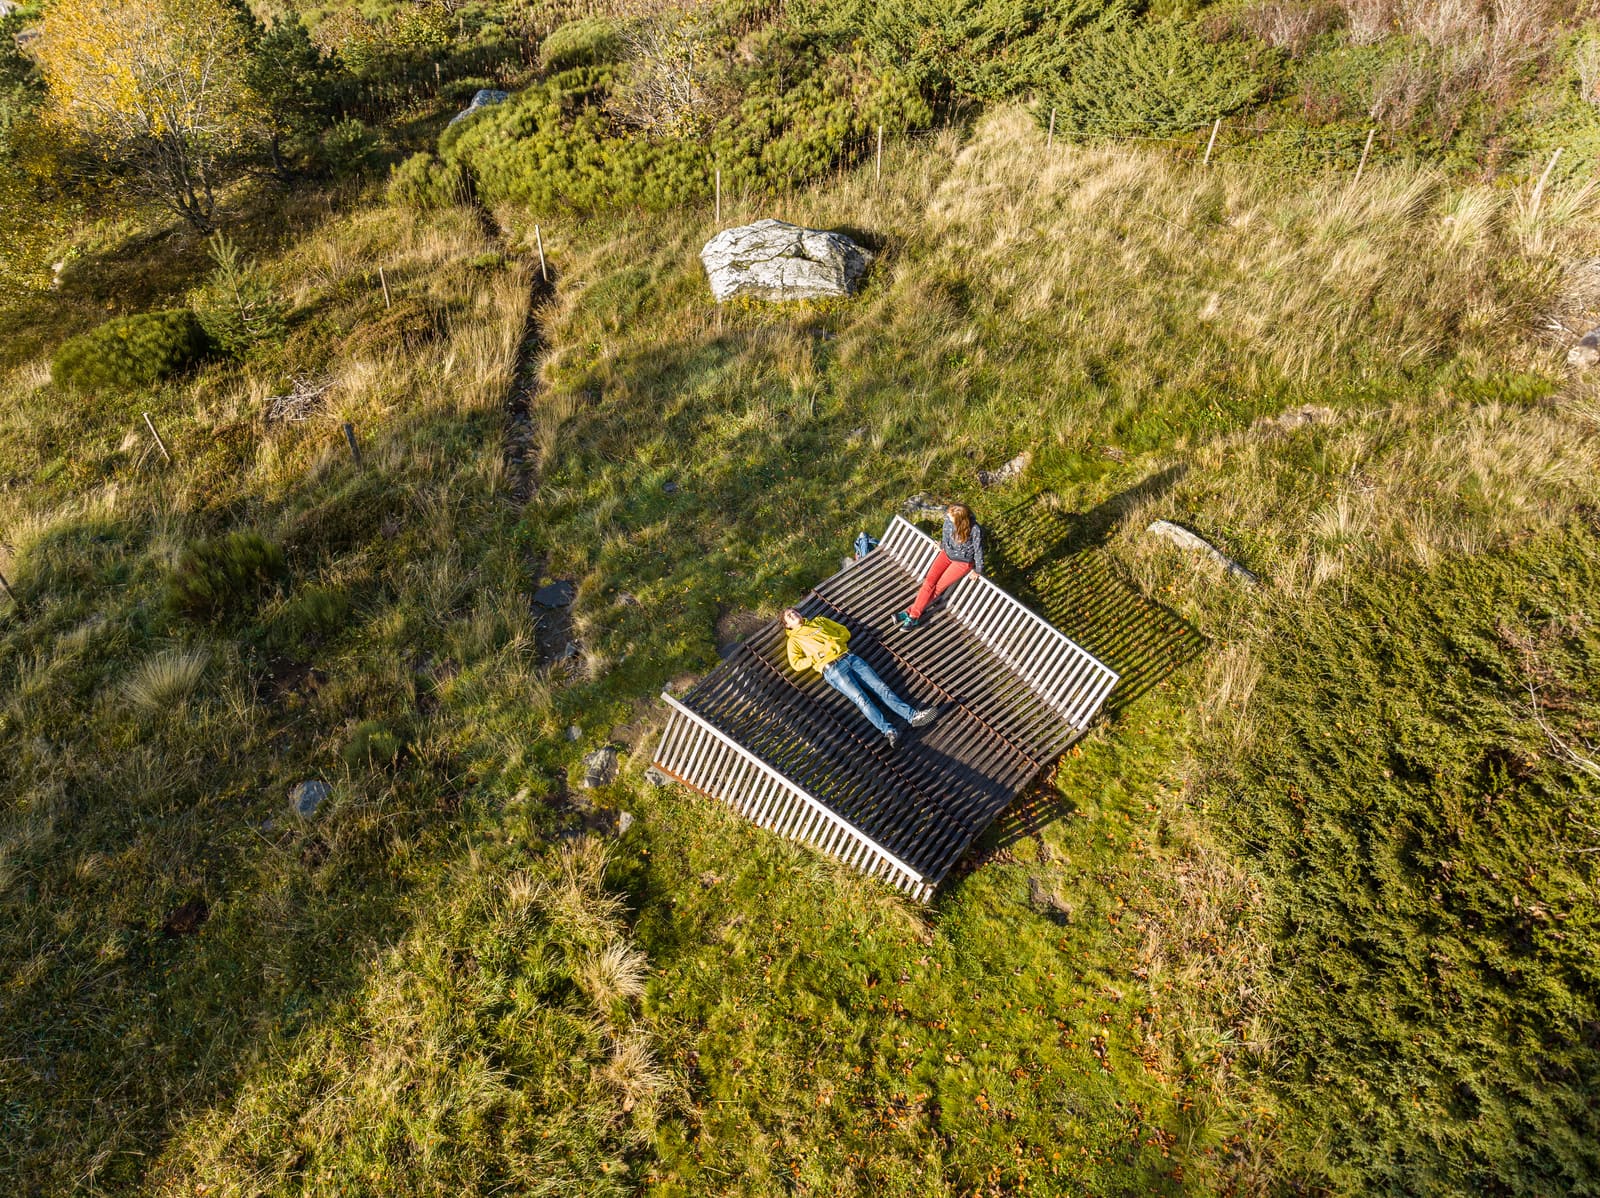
column 961, row 517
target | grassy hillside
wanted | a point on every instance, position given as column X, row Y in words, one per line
column 1310, row 911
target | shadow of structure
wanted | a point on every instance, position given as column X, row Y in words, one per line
column 1055, row 561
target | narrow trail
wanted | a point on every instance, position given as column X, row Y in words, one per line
column 517, row 444
column 517, row 448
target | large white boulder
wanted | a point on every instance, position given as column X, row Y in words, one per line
column 775, row 260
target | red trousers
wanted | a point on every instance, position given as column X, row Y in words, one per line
column 942, row 575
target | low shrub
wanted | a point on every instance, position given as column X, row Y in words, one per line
column 586, row 42
column 805, row 111
column 132, row 351
column 1132, row 78
column 1424, row 822
column 425, row 183
column 349, row 148
column 222, row 576
column 311, row 617
column 237, row 307
column 373, row 745
column 408, row 325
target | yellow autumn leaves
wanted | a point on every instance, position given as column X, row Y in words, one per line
column 145, row 68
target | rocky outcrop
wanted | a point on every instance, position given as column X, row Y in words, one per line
column 774, row 260
column 483, row 99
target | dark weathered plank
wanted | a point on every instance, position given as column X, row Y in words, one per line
column 929, row 799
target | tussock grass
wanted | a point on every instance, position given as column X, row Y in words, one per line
column 166, row 680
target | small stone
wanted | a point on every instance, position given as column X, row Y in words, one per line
column 574, row 733
column 624, row 599
column 307, row 796
column 1587, row 352
column 1004, row 474
column 625, row 821
column 559, row 593
column 1046, row 901
column 669, row 487
column 1185, row 539
column 924, row 505
column 600, row 768
column 656, row 778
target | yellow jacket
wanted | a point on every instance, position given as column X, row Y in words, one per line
column 816, row 643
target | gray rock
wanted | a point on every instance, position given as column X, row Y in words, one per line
column 1044, row 899
column 1185, row 539
column 559, row 593
column 656, row 778
column 483, row 99
column 574, row 733
column 774, row 260
column 305, row 797
column 600, row 768
column 924, row 505
column 1587, row 352
column 1004, row 474
column 669, row 487
column 625, row 821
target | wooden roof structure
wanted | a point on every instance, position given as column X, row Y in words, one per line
column 792, row 754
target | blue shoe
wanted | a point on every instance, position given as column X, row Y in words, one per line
column 902, row 619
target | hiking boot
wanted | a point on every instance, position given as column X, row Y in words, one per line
column 921, row 719
column 902, row 619
column 893, row 737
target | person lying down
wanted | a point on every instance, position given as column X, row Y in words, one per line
column 823, row 645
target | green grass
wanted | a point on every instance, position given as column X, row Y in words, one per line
column 433, row 987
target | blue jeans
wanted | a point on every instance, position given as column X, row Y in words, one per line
column 849, row 674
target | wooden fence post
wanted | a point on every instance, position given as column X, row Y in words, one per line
column 1365, row 150
column 350, row 439
column 1538, row 189
column 384, row 283
column 1050, row 137
column 1216, row 125
column 538, row 240
column 877, row 170
column 160, row 444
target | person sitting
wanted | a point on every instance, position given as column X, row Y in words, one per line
column 824, row 645
column 960, row 553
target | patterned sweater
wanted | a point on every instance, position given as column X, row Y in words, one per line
column 970, row 550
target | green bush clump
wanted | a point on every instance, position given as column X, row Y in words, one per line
column 805, row 110
column 373, row 744
column 132, row 351
column 1127, row 77
column 981, row 50
column 221, row 576
column 237, row 307
column 1428, row 848
column 425, row 183
column 312, row 616
column 586, row 42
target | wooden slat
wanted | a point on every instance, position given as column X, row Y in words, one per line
column 792, row 755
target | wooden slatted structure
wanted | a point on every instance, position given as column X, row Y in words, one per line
column 792, row 754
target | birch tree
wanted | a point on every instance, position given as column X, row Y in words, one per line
column 156, row 88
